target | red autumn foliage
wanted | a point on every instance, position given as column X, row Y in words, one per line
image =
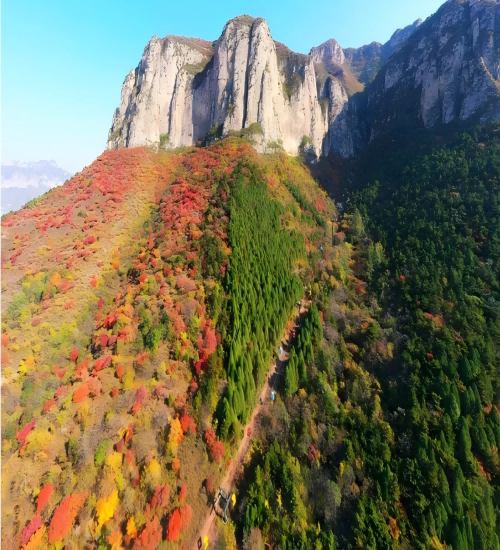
column 208, row 344
column 183, row 492
column 44, row 496
column 70, row 304
column 94, row 280
column 209, row 436
column 187, row 423
column 102, row 363
column 5, row 339
column 114, row 392
column 217, row 451
column 312, row 454
column 120, row 371
column 174, row 525
column 160, row 496
column 186, row 513
column 60, row 390
column 48, row 404
column 74, row 355
column 142, row 357
column 64, row 516
column 430, row 356
column 150, row 536
column 103, row 340
column 36, row 321
column 23, row 434
column 31, row 529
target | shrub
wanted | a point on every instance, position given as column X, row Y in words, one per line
column 174, row 525
column 100, row 453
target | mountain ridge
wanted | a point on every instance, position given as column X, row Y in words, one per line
column 184, row 90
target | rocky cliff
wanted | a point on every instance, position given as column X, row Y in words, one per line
column 184, row 90
column 187, row 88
column 447, row 70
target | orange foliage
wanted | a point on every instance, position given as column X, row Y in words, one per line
column 48, row 405
column 186, row 513
column 81, row 393
column 64, row 516
column 43, row 497
column 150, row 536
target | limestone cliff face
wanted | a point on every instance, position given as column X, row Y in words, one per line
column 445, row 69
column 184, row 88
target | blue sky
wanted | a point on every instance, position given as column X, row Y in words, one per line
column 63, row 62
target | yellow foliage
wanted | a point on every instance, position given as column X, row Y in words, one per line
column 114, row 461
column 55, row 279
column 175, row 435
column 22, row 369
column 105, row 507
column 128, row 379
column 154, row 468
column 436, row 544
column 131, row 530
column 39, row 440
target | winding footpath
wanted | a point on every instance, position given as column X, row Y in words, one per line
column 277, row 369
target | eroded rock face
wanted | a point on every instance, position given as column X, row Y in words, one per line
column 185, row 88
column 445, row 69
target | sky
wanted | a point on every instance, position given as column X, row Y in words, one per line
column 63, row 62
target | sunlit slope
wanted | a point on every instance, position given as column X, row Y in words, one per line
column 116, row 333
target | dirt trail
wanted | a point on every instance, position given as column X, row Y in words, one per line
column 276, row 370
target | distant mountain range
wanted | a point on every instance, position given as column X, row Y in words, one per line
column 24, row 181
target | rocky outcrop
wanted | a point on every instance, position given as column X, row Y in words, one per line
column 445, row 69
column 184, row 89
column 363, row 62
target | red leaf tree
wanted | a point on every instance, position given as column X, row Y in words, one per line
column 174, row 525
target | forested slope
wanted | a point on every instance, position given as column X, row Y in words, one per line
column 386, row 432
column 142, row 302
